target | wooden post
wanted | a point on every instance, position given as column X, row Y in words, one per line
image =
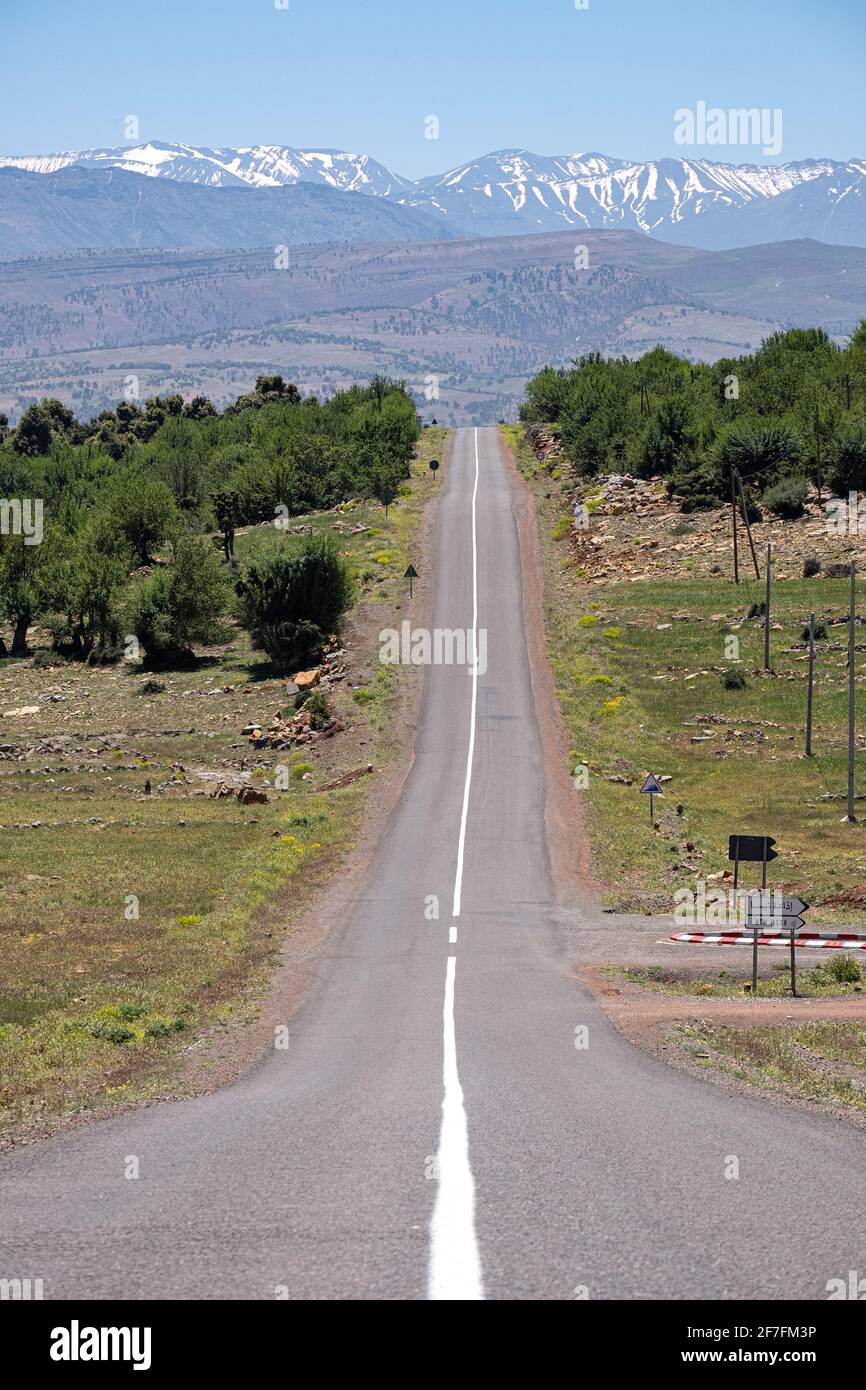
column 809, row 685
column 734, row 525
column 851, row 678
column 748, row 526
column 767, row 610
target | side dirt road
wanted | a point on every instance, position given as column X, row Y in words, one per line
column 638, row 610
column 165, row 840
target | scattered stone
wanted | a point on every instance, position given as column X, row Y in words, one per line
column 249, row 796
column 347, row 779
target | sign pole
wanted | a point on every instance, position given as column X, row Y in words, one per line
column 793, row 966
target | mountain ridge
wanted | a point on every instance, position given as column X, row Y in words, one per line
column 514, row 191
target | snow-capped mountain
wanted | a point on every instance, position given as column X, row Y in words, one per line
column 259, row 166
column 512, row 192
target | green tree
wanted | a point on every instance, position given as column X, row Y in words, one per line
column 181, row 604
column 141, row 509
column 293, row 597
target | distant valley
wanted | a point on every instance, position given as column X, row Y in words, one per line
column 465, row 322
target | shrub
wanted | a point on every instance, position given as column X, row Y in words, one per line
column 844, row 969
column 164, row 1030
column 318, row 709
column 105, row 1031
column 811, row 567
column 181, row 604
column 734, row 680
column 46, row 658
column 787, row 498
column 847, row 469
column 819, row 632
column 294, row 597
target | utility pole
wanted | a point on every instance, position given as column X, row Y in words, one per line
column 767, row 610
column 734, row 524
column 851, row 668
column 810, row 684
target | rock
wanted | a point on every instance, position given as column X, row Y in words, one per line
column 305, row 680
column 347, row 778
column 249, row 796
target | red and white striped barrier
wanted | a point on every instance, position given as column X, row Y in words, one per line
column 840, row 941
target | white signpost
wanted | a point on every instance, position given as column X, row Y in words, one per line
column 773, row 911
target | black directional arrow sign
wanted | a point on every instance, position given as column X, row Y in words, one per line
column 753, row 849
column 411, row 574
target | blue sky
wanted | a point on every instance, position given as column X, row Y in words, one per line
column 363, row 74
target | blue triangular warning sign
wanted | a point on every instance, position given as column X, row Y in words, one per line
column 652, row 786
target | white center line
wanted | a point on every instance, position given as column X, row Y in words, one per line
column 455, row 1260
column 461, row 843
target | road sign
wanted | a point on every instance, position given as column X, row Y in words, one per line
column 539, row 454
column 434, row 464
column 752, row 849
column 757, row 922
column 775, row 909
column 778, row 912
column 411, row 574
column 652, row 788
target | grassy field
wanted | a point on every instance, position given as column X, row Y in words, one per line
column 136, row 908
column 834, row 977
column 639, row 669
column 822, row 1062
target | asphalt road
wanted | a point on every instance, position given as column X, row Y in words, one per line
column 432, row 1129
